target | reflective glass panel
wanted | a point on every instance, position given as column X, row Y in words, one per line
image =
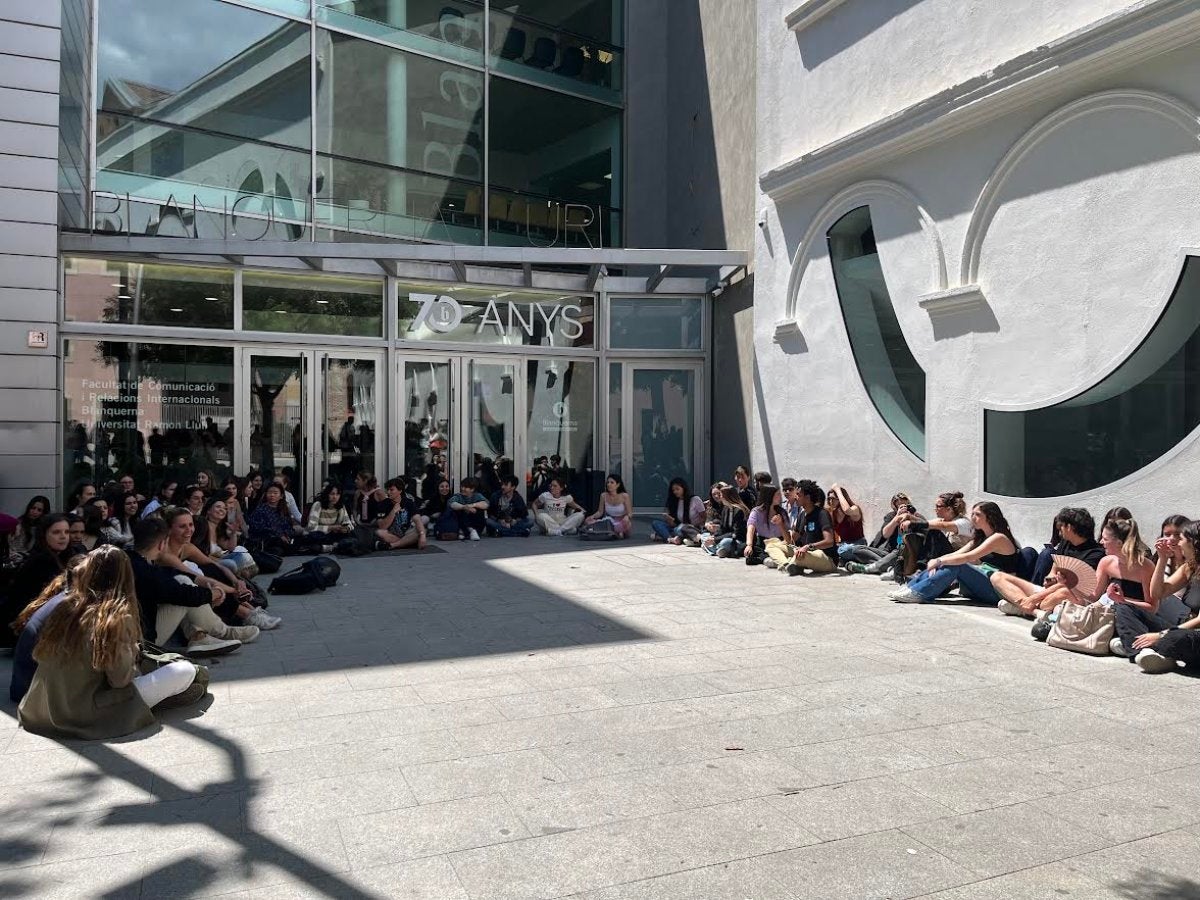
column 430, row 26
column 648, row 323
column 427, row 408
column 205, row 64
column 555, row 167
column 488, row 316
column 664, row 432
column 399, row 110
column 350, row 420
column 310, row 304
column 155, row 410
column 492, row 417
column 615, row 423
column 277, row 438
column 599, row 19
column 536, row 51
column 893, row 378
column 1131, row 418
column 101, row 290
column 561, row 398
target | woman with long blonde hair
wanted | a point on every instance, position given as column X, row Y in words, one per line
column 88, row 684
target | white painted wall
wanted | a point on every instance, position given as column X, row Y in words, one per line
column 868, row 59
column 1075, row 266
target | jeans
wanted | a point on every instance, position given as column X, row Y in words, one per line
column 518, row 528
column 846, row 552
column 1181, row 645
column 730, row 544
column 662, row 530
column 1133, row 621
column 460, row 520
column 972, row 581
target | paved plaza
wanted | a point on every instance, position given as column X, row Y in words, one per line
column 546, row 718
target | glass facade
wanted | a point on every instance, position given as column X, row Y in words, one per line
column 407, row 119
column 486, row 316
column 893, row 378
column 1131, row 418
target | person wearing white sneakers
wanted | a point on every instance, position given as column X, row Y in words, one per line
column 1162, row 650
column 469, row 510
column 557, row 513
column 169, row 601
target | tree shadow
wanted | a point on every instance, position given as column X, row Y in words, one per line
column 1146, row 885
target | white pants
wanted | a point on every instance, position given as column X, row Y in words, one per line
column 192, row 618
column 173, row 678
column 549, row 524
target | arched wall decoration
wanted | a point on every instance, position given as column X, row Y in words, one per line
column 987, row 205
column 856, row 195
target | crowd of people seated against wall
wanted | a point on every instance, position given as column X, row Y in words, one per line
column 1150, row 594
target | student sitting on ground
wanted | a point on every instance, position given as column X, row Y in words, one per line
column 22, row 540
column 1126, row 577
column 683, row 518
column 741, row 481
column 508, row 516
column 328, row 521
column 847, row 521
column 95, row 520
column 51, row 553
column 1075, row 539
column 924, row 539
column 436, row 504
column 87, row 683
column 729, row 537
column 780, row 550
column 171, row 601
column 194, row 498
column 28, row 626
column 815, row 540
column 1172, row 636
column 614, row 505
column 712, row 513
column 118, row 531
column 556, row 512
column 468, row 512
column 270, row 522
column 881, row 555
column 764, row 524
column 164, row 497
column 992, row 548
column 401, row 527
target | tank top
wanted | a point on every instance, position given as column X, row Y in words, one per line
column 1005, row 562
column 1190, row 596
column 1131, row 589
column 848, row 531
column 614, row 511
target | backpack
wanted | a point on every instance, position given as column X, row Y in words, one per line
column 315, row 575
column 600, row 530
column 351, row 546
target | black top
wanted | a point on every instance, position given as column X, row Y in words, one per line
column 1131, row 589
column 1089, row 551
column 733, row 521
column 24, row 665
column 508, row 508
column 813, row 526
column 1005, row 562
column 155, row 586
column 749, row 497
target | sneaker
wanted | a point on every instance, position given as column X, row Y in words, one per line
column 245, row 633
column 770, row 563
column 194, row 692
column 856, row 568
column 207, row 645
column 382, row 545
column 886, row 576
column 691, row 542
column 555, row 532
column 1116, row 648
column 1009, row 608
column 472, row 534
column 793, row 569
column 905, row 595
column 327, row 548
column 1154, row 663
column 263, row 621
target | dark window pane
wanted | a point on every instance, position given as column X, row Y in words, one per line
column 155, row 410
column 204, row 64
column 1125, row 422
column 400, row 110
column 555, row 57
column 555, row 166
column 599, row 19
column 650, row 323
column 894, row 380
column 303, row 304
column 99, row 290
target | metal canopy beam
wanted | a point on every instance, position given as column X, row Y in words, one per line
column 655, row 280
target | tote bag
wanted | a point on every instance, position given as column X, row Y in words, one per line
column 1083, row 629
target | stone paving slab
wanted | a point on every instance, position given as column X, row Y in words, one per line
column 623, row 721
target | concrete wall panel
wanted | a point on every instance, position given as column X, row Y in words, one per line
column 29, row 74
column 23, row 236
column 29, row 40
column 28, row 271
column 37, row 173
column 17, row 205
column 23, row 139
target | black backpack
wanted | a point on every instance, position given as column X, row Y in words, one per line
column 315, row 575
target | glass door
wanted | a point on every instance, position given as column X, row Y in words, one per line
column 312, row 416
column 427, row 400
column 660, row 426
column 492, row 417
column 560, row 396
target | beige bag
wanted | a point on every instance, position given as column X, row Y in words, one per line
column 1083, row 629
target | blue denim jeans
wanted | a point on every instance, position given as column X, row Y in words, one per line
column 972, row 582
column 519, row 528
column 725, row 543
column 845, row 552
column 663, row 530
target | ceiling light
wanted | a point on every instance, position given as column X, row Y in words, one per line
column 213, row 299
column 282, row 312
column 323, row 302
column 176, row 309
column 608, row 177
column 118, row 285
column 124, row 297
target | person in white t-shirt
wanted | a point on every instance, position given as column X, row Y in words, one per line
column 557, row 513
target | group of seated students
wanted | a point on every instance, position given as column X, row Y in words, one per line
column 798, row 528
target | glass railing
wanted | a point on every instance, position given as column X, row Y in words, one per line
column 526, row 220
column 526, row 49
column 451, row 31
column 359, row 196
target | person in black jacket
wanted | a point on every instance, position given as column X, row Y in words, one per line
column 508, row 516
column 169, row 600
column 46, row 561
